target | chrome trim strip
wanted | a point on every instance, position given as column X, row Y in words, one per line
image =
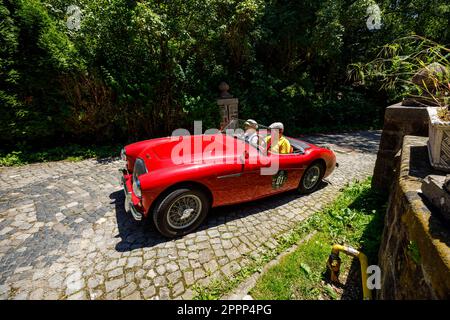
column 136, row 214
column 124, row 184
column 233, row 175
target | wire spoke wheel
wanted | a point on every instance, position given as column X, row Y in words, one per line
column 312, row 176
column 184, row 211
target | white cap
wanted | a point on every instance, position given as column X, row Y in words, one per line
column 277, row 125
column 251, row 123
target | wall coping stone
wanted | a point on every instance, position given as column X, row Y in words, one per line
column 425, row 227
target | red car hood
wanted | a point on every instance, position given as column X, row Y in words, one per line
column 189, row 150
column 163, row 152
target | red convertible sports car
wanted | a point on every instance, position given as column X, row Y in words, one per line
column 176, row 180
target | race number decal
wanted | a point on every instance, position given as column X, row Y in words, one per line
column 279, row 179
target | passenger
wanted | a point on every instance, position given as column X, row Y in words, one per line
column 281, row 144
column 250, row 135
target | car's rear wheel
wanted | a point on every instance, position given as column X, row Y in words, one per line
column 180, row 212
column 312, row 177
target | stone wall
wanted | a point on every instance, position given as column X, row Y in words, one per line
column 398, row 121
column 414, row 255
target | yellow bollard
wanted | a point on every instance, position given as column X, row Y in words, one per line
column 334, row 263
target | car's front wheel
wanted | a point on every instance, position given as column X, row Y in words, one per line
column 312, row 177
column 180, row 211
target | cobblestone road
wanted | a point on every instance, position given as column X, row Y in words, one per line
column 64, row 233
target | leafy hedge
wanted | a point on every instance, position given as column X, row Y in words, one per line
column 139, row 69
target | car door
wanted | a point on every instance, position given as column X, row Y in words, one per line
column 235, row 182
column 284, row 174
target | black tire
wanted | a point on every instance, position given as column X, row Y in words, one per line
column 166, row 225
column 303, row 186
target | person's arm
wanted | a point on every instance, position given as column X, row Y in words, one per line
column 267, row 144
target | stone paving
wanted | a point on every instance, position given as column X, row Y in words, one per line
column 64, row 233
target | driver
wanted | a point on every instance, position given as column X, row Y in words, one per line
column 276, row 141
column 250, row 134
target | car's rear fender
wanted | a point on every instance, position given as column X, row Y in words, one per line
column 325, row 156
column 330, row 161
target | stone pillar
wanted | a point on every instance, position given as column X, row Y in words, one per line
column 399, row 121
column 228, row 105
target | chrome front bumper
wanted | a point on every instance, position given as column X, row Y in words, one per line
column 129, row 206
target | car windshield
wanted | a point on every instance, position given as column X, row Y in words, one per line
column 255, row 135
column 241, row 130
column 236, row 124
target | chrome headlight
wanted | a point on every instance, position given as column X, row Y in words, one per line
column 137, row 187
column 139, row 169
column 123, row 154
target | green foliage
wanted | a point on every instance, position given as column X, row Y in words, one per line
column 289, row 280
column 35, row 56
column 69, row 152
column 400, row 62
column 8, row 75
column 413, row 252
column 140, row 69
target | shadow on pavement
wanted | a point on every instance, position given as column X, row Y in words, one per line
column 140, row 234
column 362, row 141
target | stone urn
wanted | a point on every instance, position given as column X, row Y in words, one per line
column 425, row 79
column 439, row 141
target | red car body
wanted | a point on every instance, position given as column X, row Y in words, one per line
column 228, row 177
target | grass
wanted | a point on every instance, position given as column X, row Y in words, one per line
column 354, row 218
column 299, row 275
column 71, row 152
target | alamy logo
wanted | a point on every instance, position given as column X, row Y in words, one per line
column 374, row 20
column 216, row 147
column 74, row 17
column 374, row 277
